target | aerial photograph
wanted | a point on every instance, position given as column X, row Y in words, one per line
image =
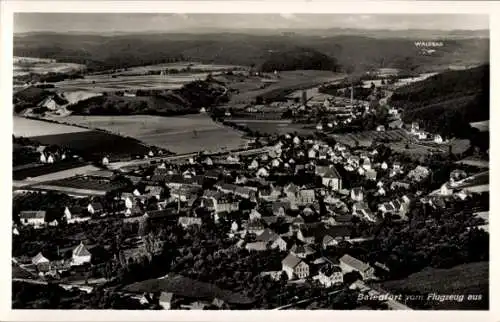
column 196, row 161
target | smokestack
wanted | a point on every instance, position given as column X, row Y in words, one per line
column 304, row 97
column 352, row 94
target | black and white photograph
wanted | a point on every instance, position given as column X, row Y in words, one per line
column 250, row 161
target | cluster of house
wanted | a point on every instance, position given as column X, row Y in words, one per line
column 311, row 216
column 287, row 156
column 324, row 270
column 54, row 265
column 461, row 186
column 106, row 159
column 422, row 135
column 73, row 214
column 50, row 157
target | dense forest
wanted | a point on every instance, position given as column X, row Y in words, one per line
column 299, row 59
column 446, row 103
column 352, row 52
column 31, row 97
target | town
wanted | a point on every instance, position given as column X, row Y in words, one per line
column 337, row 199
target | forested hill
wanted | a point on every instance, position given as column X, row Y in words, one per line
column 446, row 103
column 352, row 52
column 186, row 100
column 299, row 59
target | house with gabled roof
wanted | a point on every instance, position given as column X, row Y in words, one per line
column 302, row 251
column 254, row 214
column 342, row 219
column 95, row 208
column 400, row 185
column 330, row 177
column 349, row 264
column 271, row 193
column 306, row 197
column 295, row 267
column 315, row 233
column 256, row 246
column 189, row 221
column 220, row 203
column 154, row 191
column 177, row 181
column 254, row 227
column 280, row 208
column 371, row 174
column 136, row 210
column 272, row 240
column 262, row 172
column 40, row 259
column 398, row 206
column 242, row 191
column 291, row 190
column 35, row 218
column 362, row 210
column 80, row 255
column 358, row 194
column 386, row 207
column 76, row 215
column 330, row 275
column 165, row 300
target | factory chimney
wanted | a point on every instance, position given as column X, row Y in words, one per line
column 304, row 97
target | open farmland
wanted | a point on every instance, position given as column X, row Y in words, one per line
column 177, row 134
column 28, row 65
column 57, row 173
column 483, row 126
column 110, row 83
column 178, row 66
column 75, row 96
column 43, row 169
column 367, row 137
column 272, row 127
column 32, row 128
column 80, row 185
column 475, row 162
column 466, row 279
column 289, row 81
column 416, row 150
column 458, row 146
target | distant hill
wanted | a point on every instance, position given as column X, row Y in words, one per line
column 351, row 51
column 374, row 33
column 447, row 102
column 298, row 59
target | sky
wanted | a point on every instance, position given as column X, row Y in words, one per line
column 164, row 22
